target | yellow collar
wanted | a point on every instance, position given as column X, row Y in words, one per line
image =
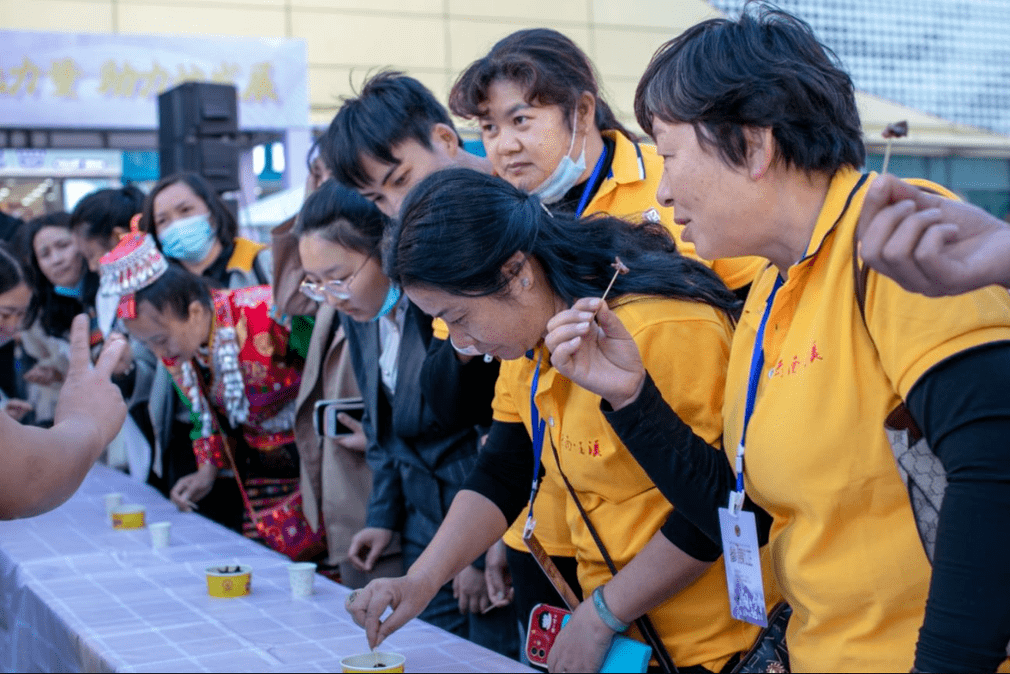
column 244, row 254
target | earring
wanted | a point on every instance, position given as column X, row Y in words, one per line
column 525, row 283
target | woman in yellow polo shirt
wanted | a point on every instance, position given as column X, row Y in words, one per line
column 548, row 131
column 496, row 275
column 756, row 108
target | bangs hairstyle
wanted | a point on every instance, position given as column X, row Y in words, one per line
column 390, row 109
column 763, row 70
column 443, row 242
column 97, row 214
column 548, row 66
column 174, row 291
column 221, row 219
column 342, row 216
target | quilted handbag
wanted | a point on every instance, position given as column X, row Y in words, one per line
column 769, row 652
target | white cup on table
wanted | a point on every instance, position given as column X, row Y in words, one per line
column 112, row 501
column 160, row 534
column 302, row 575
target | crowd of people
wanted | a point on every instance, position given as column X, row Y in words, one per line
column 725, row 325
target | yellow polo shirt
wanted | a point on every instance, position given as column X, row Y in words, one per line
column 844, row 545
column 629, row 193
column 685, row 346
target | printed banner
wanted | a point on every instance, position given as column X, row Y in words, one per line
column 106, row 81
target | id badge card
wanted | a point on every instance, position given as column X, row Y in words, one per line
column 743, row 567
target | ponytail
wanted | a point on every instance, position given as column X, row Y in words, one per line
column 442, row 241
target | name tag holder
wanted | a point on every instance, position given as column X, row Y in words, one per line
column 738, row 529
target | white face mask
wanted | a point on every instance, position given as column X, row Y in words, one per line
column 566, row 175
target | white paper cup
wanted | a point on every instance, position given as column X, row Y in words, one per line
column 302, row 575
column 112, row 501
column 160, row 534
column 374, row 662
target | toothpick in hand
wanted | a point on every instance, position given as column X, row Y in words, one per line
column 892, row 131
column 619, row 270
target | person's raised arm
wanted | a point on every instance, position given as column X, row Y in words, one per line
column 929, row 244
column 44, row 467
column 601, row 356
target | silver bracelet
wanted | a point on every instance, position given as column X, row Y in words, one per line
column 608, row 618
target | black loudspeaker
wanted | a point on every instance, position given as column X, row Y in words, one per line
column 197, row 132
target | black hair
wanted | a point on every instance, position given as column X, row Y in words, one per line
column 390, row 109
column 225, row 226
column 763, row 70
column 550, row 68
column 175, row 290
column 55, row 312
column 341, row 215
column 97, row 214
column 12, row 274
column 444, row 242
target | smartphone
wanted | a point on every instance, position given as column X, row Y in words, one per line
column 625, row 655
column 325, row 414
column 545, row 623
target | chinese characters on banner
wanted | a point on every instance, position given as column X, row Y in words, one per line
column 112, row 81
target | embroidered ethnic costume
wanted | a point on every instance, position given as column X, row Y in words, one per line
column 247, row 375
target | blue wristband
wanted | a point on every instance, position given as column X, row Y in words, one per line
column 608, row 618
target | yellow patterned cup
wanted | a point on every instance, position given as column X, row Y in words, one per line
column 373, row 662
column 229, row 581
column 128, row 516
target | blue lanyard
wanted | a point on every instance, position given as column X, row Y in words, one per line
column 539, row 426
column 586, row 193
column 757, row 362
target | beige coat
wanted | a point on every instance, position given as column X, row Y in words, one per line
column 336, row 482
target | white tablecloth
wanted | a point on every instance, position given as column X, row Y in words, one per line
column 81, row 596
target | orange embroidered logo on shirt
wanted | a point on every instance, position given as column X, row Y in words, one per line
column 797, row 365
column 583, row 447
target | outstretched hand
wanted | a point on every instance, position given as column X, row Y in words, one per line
column 599, row 355
column 406, row 595
column 929, row 244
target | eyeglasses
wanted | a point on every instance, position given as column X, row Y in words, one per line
column 340, row 289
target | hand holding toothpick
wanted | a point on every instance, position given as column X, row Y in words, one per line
column 619, row 270
column 892, row 131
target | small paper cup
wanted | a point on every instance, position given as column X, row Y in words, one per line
column 302, row 575
column 112, row 501
column 373, row 662
column 229, row 580
column 128, row 516
column 160, row 534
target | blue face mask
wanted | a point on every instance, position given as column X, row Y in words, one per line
column 392, row 297
column 189, row 239
column 75, row 292
column 565, row 176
